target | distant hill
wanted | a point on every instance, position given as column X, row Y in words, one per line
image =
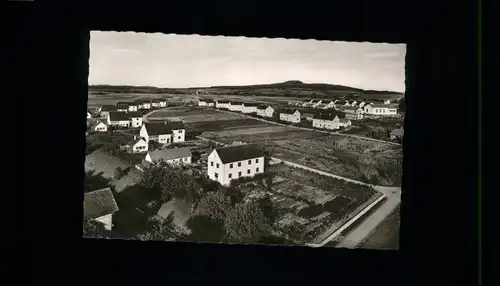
column 291, row 88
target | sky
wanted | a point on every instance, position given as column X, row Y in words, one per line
column 180, row 61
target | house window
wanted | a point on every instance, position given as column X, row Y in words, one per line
column 256, row 160
column 249, row 162
column 216, row 175
column 257, row 170
column 230, row 176
column 179, row 137
column 230, row 166
column 239, row 174
column 217, row 165
column 248, row 171
column 212, row 164
column 239, row 164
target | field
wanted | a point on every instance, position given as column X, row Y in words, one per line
column 308, row 201
column 358, row 159
column 191, row 114
column 386, row 235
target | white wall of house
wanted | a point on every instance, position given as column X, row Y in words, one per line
column 100, row 127
column 144, row 134
column 122, row 123
column 222, row 105
column 146, row 105
column 210, row 104
column 136, row 121
column 105, row 114
column 294, row 118
column 122, row 109
column 238, row 107
column 202, row 103
column 317, row 103
column 184, row 160
column 107, row 220
column 156, row 104
column 345, row 124
column 163, row 104
column 326, row 124
column 140, row 146
column 165, row 138
column 224, row 173
column 179, row 135
column 268, row 112
column 249, row 109
column 368, row 109
column 132, row 108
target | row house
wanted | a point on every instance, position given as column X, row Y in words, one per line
column 328, row 121
column 353, row 112
column 136, row 145
column 380, row 109
column 210, row 103
column 290, row 115
column 173, row 156
column 202, row 102
column 120, row 119
column 163, row 132
column 135, row 119
column 222, row 104
column 236, row 106
column 155, row 103
column 234, row 162
column 249, row 107
column 265, row 111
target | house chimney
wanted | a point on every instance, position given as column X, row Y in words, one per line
column 135, row 137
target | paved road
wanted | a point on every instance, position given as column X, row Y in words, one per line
column 309, row 129
column 354, row 237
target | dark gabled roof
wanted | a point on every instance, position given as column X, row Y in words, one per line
column 108, row 108
column 175, row 125
column 263, row 106
column 122, row 105
column 210, row 101
column 380, row 105
column 329, row 115
column 306, row 101
column 118, row 116
column 249, row 104
column 202, row 100
column 236, row 102
column 99, row 203
column 134, row 114
column 223, row 101
column 239, row 153
column 288, row 111
column 134, row 141
column 157, row 128
column 351, row 107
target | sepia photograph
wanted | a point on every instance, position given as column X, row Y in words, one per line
column 238, row 140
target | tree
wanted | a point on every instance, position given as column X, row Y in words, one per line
column 93, row 229
column 402, row 105
column 268, row 209
column 245, row 223
column 214, row 205
column 160, row 229
column 119, row 173
column 94, row 181
column 204, row 229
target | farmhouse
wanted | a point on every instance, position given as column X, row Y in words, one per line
column 236, row 106
column 99, row 127
column 326, row 121
column 249, row 107
column 118, row 119
column 202, row 102
column 344, row 122
column 122, row 107
column 290, row 115
column 162, row 132
column 210, row 103
column 171, row 156
column 353, row 112
column 100, row 205
column 137, row 145
column 228, row 163
column 222, row 104
column 106, row 109
column 397, row 133
column 380, row 109
column 135, row 119
column 265, row 111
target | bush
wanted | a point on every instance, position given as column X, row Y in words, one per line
column 311, row 211
column 204, row 229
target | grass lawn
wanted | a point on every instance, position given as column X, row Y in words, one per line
column 386, row 235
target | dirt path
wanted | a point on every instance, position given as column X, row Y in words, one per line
column 309, row 129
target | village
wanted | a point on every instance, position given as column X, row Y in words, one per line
column 224, row 170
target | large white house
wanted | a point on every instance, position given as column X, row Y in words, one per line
column 380, row 109
column 202, row 102
column 222, row 104
column 249, row 107
column 118, row 119
column 353, row 112
column 328, row 121
column 236, row 106
column 344, row 122
column 233, row 162
column 132, row 107
column 135, row 119
column 99, row 127
column 265, row 111
column 100, row 205
column 290, row 115
column 171, row 156
column 121, row 107
column 137, row 145
column 164, row 132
